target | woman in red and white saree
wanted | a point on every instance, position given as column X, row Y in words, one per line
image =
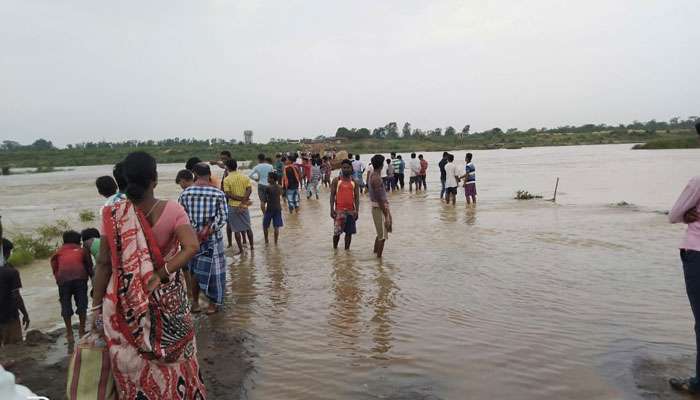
column 140, row 292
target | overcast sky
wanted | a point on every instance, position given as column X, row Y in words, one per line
column 73, row 71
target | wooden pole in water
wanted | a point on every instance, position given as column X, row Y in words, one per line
column 556, row 187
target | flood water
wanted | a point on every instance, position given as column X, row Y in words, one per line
column 522, row 300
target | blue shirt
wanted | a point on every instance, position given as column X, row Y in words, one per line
column 402, row 166
column 471, row 172
column 262, row 171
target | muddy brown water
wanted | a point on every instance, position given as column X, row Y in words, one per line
column 510, row 299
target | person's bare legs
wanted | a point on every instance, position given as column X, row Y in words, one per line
column 228, row 235
column 69, row 330
column 81, row 325
column 239, row 242
column 336, row 239
column 348, row 240
column 277, row 234
column 249, row 232
column 380, row 247
column 265, row 232
column 195, row 296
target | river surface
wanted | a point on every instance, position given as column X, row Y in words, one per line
column 511, row 299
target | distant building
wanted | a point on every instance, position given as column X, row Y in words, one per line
column 248, row 137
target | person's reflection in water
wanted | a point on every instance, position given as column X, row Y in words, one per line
column 277, row 287
column 346, row 308
column 383, row 304
column 243, row 288
column 471, row 216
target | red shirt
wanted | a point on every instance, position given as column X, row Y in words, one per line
column 71, row 262
column 423, row 167
column 345, row 195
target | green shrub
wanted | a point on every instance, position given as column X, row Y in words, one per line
column 21, row 257
column 49, row 232
column 86, row 215
column 525, row 195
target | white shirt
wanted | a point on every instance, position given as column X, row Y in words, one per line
column 451, row 171
column 414, row 167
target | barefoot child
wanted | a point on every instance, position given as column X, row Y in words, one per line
column 273, row 208
column 72, row 267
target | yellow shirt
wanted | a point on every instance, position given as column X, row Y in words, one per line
column 236, row 184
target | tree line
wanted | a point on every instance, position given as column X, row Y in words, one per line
column 391, row 130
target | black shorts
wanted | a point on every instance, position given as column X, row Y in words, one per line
column 76, row 289
column 451, row 190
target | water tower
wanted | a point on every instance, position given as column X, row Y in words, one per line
column 248, row 135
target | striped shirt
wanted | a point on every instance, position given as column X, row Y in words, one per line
column 236, row 184
column 471, row 173
column 396, row 163
column 205, row 205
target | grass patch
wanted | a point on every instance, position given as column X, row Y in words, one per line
column 691, row 142
column 40, row 245
column 86, row 215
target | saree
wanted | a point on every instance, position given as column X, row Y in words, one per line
column 150, row 336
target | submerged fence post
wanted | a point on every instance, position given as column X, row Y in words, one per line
column 556, row 187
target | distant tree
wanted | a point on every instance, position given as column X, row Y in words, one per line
column 321, row 137
column 343, row 132
column 418, row 133
column 379, row 132
column 42, row 144
column 391, row 130
column 406, row 130
column 532, row 130
column 674, row 120
column 363, row 133
column 512, row 130
column 495, row 131
column 465, row 130
column 437, row 132
column 10, row 145
column 450, row 131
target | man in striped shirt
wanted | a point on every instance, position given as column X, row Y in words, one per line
column 207, row 209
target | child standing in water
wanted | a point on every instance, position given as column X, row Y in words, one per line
column 273, row 208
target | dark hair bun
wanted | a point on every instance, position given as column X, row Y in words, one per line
column 139, row 169
column 135, row 192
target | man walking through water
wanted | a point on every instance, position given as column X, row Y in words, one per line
column 260, row 174
column 238, row 190
column 443, row 174
column 414, row 170
column 381, row 216
column 206, row 207
column 345, row 204
column 470, row 180
column 451, row 180
column 687, row 210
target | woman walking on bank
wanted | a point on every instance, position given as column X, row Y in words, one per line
column 139, row 293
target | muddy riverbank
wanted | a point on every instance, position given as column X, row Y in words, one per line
column 225, row 362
